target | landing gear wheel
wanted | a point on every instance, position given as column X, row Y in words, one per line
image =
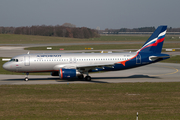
column 26, row 79
column 88, row 78
column 81, row 76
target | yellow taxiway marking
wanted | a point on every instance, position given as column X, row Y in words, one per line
column 167, row 73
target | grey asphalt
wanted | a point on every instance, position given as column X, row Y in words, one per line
column 158, row 72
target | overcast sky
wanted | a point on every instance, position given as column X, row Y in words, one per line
column 113, row 14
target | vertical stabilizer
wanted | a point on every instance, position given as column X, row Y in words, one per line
column 155, row 43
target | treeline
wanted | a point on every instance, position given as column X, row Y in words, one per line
column 142, row 29
column 60, row 31
column 173, row 29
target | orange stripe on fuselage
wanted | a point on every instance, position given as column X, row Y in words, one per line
column 61, row 73
column 124, row 62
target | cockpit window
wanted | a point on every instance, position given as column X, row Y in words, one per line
column 13, row 60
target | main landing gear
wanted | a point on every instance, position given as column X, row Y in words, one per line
column 26, row 77
column 81, row 77
column 87, row 78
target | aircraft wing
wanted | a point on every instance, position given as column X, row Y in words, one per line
column 83, row 66
column 96, row 65
column 86, row 68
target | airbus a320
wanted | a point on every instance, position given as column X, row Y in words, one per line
column 71, row 65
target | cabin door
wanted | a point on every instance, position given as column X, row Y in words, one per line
column 27, row 60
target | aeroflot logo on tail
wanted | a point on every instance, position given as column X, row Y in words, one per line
column 48, row 55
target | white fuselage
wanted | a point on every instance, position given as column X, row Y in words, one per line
column 52, row 62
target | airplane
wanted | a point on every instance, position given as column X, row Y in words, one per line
column 72, row 65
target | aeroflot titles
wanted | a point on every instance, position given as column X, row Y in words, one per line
column 48, row 55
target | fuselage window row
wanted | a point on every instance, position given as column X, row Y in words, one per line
column 107, row 59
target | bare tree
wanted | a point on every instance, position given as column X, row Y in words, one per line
column 69, row 25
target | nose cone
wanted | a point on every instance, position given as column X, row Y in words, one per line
column 5, row 66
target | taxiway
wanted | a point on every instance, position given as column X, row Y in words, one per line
column 158, row 72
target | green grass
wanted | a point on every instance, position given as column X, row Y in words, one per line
column 95, row 47
column 173, row 59
column 102, row 46
column 30, row 39
column 153, row 101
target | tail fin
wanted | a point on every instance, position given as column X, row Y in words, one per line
column 155, row 42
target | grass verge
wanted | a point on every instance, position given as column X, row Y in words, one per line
column 95, row 47
column 30, row 39
column 102, row 47
column 173, row 59
column 91, row 101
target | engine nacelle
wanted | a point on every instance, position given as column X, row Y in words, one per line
column 55, row 73
column 68, row 73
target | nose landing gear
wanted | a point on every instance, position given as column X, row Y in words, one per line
column 26, row 77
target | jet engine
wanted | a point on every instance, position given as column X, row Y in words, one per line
column 55, row 73
column 68, row 73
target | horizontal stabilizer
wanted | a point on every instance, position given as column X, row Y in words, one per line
column 154, row 58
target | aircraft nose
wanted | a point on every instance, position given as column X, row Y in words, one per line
column 5, row 66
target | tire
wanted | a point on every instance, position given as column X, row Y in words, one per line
column 88, row 78
column 81, row 76
column 26, row 79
